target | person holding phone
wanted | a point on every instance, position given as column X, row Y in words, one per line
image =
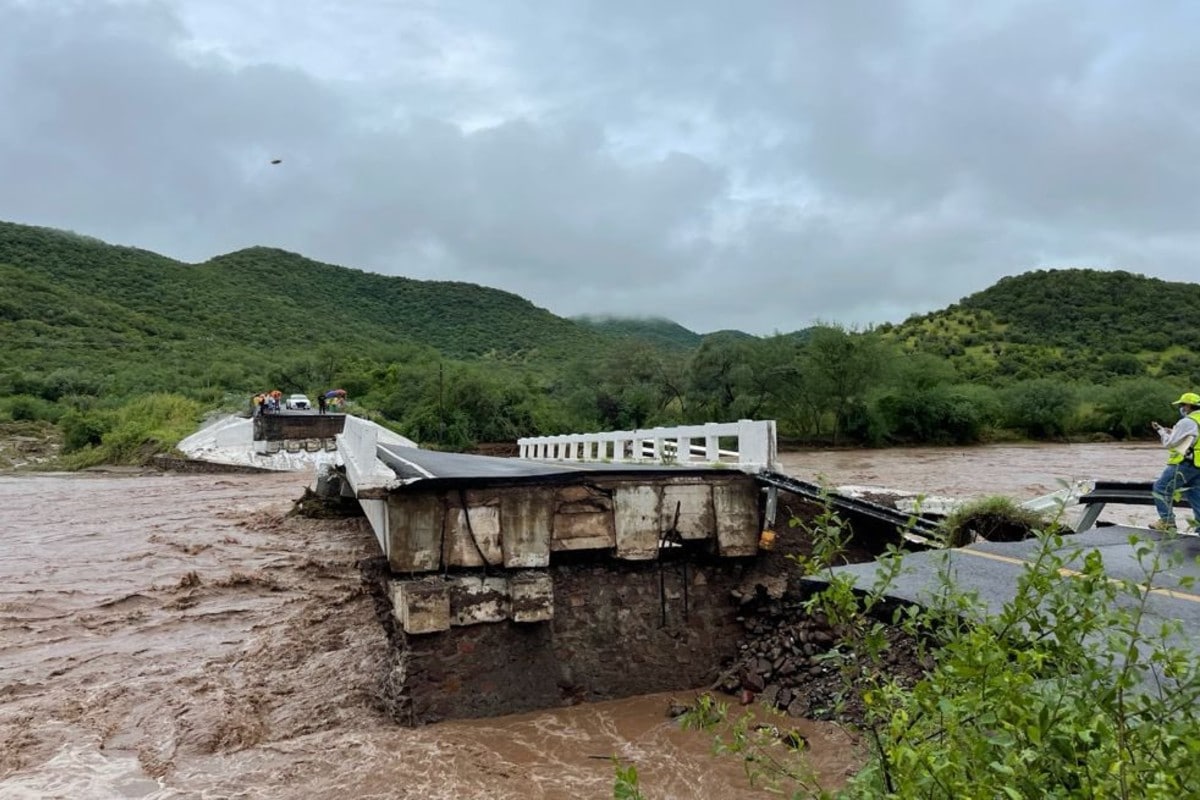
column 1182, row 473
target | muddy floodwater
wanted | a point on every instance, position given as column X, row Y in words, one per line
column 173, row 636
column 1020, row 471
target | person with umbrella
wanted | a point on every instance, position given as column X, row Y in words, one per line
column 336, row 397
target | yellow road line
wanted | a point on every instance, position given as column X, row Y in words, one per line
column 1172, row 593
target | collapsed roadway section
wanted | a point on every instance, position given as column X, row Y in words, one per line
column 517, row 584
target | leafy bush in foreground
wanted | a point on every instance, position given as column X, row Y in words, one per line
column 1070, row 691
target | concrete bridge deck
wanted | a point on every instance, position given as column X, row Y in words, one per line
column 413, row 463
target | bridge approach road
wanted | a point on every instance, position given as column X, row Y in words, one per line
column 993, row 569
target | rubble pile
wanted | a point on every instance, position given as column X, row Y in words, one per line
column 801, row 664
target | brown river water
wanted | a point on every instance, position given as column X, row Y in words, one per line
column 178, row 636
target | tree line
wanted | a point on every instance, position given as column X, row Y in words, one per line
column 828, row 387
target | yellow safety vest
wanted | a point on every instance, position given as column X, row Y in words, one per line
column 1176, row 457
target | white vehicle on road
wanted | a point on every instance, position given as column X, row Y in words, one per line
column 298, row 402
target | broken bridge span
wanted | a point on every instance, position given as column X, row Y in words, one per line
column 592, row 567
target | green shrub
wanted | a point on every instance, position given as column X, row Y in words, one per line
column 626, row 786
column 83, row 429
column 996, row 519
column 140, row 429
column 1041, row 408
column 1127, row 408
column 1070, row 690
column 28, row 408
column 939, row 415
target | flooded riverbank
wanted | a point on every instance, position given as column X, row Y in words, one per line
column 1019, row 471
column 179, row 636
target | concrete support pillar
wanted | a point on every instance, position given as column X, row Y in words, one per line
column 738, row 527
column 695, row 506
column 532, row 596
column 415, row 532
column 525, row 527
column 475, row 599
column 637, row 511
column 473, row 533
column 422, row 606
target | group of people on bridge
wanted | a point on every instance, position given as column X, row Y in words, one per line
column 266, row 402
column 334, row 398
column 272, row 402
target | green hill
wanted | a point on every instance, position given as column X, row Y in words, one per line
column 76, row 305
column 1076, row 324
column 1087, row 307
column 653, row 330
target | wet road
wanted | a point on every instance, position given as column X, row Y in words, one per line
column 992, row 569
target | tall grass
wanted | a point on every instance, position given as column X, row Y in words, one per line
column 138, row 430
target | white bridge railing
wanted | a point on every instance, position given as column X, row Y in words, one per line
column 746, row 444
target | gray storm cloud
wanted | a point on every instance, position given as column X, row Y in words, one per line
column 757, row 166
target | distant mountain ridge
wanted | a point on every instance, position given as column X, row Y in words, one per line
column 653, row 330
column 72, row 301
column 73, row 305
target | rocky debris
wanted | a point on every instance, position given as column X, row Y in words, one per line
column 789, row 736
column 327, row 498
column 677, row 709
column 315, row 505
column 802, row 664
column 796, row 661
column 28, row 445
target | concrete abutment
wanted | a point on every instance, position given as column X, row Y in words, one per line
column 618, row 629
column 510, row 598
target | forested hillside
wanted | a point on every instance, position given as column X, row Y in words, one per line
column 123, row 350
column 661, row 332
column 1080, row 324
column 83, row 310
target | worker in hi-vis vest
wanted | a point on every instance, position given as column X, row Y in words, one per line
column 1182, row 472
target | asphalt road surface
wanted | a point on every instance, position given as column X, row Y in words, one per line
column 413, row 462
column 992, row 569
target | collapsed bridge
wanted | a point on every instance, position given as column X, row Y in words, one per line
column 592, row 567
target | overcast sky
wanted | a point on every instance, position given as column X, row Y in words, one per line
column 753, row 165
